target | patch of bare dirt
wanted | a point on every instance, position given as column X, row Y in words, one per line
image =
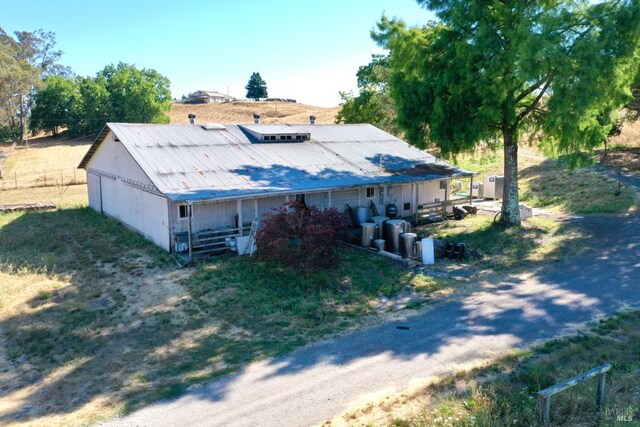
column 150, row 292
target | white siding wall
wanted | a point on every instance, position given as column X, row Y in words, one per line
column 212, row 215
column 340, row 199
column 249, row 211
column 220, row 215
column 429, row 191
column 399, row 195
column 142, row 211
column 393, row 195
column 319, row 200
column 267, row 204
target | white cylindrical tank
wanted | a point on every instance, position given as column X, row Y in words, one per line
column 363, row 212
column 428, row 256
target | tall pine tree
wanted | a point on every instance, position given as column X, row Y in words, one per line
column 256, row 87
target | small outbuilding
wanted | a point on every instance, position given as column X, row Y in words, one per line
column 187, row 188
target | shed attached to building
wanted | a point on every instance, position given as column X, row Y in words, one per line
column 188, row 187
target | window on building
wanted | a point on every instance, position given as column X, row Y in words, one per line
column 407, row 206
column 443, row 185
column 371, row 192
column 300, row 198
column 183, row 211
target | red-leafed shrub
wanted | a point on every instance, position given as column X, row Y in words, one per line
column 301, row 237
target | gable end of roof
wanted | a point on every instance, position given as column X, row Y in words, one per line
column 94, row 147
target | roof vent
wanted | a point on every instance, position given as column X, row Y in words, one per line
column 256, row 118
column 192, row 118
column 312, row 120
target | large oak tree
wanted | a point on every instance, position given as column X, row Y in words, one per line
column 119, row 93
column 494, row 69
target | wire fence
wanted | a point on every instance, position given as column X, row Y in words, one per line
column 60, row 178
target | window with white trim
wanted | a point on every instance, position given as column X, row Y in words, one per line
column 183, row 211
column 371, row 192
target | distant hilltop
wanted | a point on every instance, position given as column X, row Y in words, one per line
column 271, row 112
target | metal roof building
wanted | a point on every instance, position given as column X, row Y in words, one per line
column 219, row 177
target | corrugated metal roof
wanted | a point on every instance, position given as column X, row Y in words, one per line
column 187, row 162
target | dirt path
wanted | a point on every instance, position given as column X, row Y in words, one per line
column 626, row 178
column 321, row 381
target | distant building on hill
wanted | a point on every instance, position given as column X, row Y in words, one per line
column 206, row 96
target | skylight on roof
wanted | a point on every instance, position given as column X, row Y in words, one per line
column 213, row 126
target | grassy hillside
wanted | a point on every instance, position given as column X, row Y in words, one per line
column 242, row 112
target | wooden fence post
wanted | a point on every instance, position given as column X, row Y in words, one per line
column 600, row 393
column 546, row 410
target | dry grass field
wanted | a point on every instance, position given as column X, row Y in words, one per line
column 46, row 169
column 242, row 112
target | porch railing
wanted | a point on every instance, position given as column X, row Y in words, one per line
column 211, row 241
column 423, row 212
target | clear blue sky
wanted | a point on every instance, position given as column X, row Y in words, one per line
column 307, row 50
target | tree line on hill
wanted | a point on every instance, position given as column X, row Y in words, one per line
column 494, row 71
column 39, row 94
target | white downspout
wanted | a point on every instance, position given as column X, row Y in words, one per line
column 189, row 231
